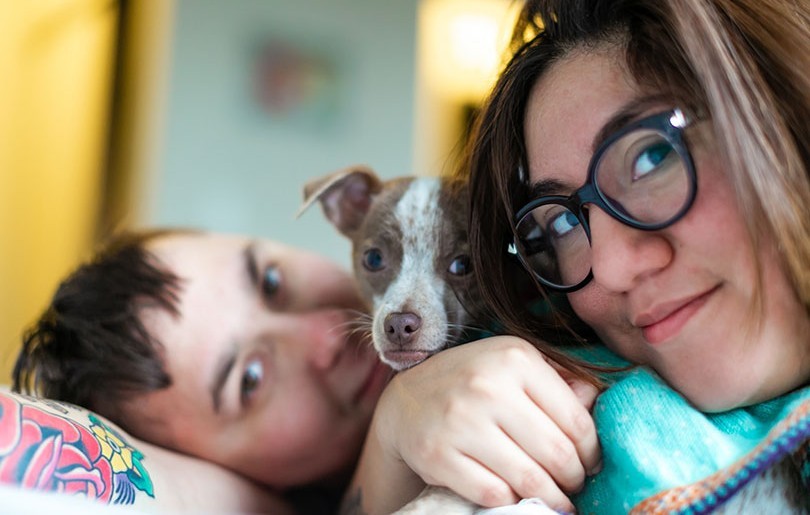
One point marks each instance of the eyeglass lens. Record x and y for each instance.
(641, 177)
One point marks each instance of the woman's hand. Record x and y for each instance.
(494, 421)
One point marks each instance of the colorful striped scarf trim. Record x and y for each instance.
(790, 438)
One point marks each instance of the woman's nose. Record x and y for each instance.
(622, 256)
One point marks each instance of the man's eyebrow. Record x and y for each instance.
(228, 360)
(222, 371)
(251, 269)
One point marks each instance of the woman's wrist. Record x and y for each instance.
(382, 481)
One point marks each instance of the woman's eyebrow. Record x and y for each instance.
(626, 114)
(616, 122)
(546, 187)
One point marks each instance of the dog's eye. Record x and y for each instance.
(460, 265)
(373, 260)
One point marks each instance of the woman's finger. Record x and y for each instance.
(541, 439)
(554, 396)
(477, 483)
(525, 477)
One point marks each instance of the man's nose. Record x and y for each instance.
(622, 256)
(318, 338)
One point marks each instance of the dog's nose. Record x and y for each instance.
(401, 328)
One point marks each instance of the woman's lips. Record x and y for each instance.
(665, 322)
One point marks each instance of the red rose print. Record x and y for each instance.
(45, 451)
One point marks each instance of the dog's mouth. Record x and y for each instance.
(404, 359)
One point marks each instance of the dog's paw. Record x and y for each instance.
(524, 507)
(435, 500)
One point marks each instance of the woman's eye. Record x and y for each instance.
(271, 281)
(562, 224)
(652, 158)
(251, 380)
(460, 265)
(535, 241)
(373, 260)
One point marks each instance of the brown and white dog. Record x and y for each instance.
(411, 262)
(410, 258)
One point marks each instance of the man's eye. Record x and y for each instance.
(251, 380)
(373, 260)
(271, 281)
(460, 265)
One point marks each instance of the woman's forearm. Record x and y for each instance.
(382, 482)
(491, 420)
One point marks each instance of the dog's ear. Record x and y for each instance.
(345, 196)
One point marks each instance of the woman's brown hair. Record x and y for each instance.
(744, 64)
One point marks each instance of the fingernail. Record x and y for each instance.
(596, 469)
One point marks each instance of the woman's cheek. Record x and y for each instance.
(605, 317)
(592, 307)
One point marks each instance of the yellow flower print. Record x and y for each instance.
(117, 452)
(125, 463)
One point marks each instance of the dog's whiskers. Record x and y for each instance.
(357, 313)
(460, 333)
(359, 325)
(465, 327)
(368, 339)
(362, 320)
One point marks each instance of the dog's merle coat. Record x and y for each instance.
(410, 259)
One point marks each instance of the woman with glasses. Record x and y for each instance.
(647, 162)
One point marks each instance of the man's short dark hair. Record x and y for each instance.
(90, 347)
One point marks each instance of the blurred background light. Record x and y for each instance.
(464, 44)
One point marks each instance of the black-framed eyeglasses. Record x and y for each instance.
(642, 175)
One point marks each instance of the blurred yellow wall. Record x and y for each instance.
(56, 61)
